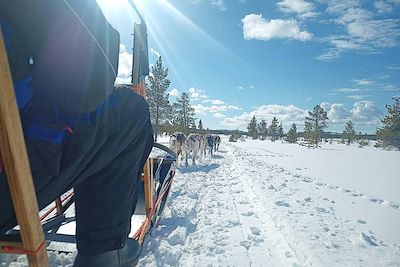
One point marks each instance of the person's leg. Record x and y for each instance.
(104, 202)
(92, 147)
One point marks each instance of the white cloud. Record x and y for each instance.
(219, 115)
(202, 109)
(338, 113)
(363, 112)
(325, 105)
(393, 68)
(383, 7)
(124, 66)
(256, 27)
(361, 31)
(214, 109)
(174, 92)
(384, 76)
(196, 94)
(357, 97)
(240, 88)
(303, 8)
(390, 87)
(364, 82)
(348, 90)
(214, 102)
(220, 4)
(155, 52)
(286, 114)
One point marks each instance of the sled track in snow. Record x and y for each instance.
(240, 175)
(239, 209)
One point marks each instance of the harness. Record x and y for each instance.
(210, 141)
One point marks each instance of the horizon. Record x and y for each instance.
(245, 58)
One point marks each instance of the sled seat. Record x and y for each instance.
(16, 165)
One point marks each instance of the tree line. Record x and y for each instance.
(317, 120)
(165, 116)
(180, 116)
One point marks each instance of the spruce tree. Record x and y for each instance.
(291, 136)
(157, 98)
(389, 134)
(280, 130)
(184, 113)
(193, 126)
(317, 122)
(262, 129)
(349, 133)
(252, 128)
(273, 129)
(200, 127)
(308, 132)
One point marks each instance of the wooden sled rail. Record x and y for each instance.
(19, 177)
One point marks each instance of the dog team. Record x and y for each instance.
(193, 145)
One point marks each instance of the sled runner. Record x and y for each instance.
(50, 228)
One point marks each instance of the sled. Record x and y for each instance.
(50, 229)
(58, 220)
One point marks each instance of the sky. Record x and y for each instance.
(243, 58)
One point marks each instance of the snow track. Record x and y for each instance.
(219, 221)
(239, 209)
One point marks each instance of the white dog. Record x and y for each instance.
(217, 141)
(193, 146)
(176, 142)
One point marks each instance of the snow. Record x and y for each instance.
(262, 203)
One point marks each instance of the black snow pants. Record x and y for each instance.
(102, 159)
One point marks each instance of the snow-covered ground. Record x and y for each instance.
(258, 203)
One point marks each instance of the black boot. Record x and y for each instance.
(124, 257)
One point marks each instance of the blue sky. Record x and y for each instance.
(241, 58)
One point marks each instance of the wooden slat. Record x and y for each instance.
(59, 206)
(148, 196)
(16, 164)
(148, 190)
(16, 245)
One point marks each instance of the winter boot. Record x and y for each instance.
(126, 256)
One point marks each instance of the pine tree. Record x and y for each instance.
(252, 128)
(308, 132)
(280, 130)
(317, 122)
(193, 126)
(389, 134)
(291, 136)
(262, 129)
(184, 113)
(349, 133)
(157, 97)
(200, 127)
(273, 129)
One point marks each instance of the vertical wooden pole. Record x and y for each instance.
(148, 189)
(16, 165)
(59, 206)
